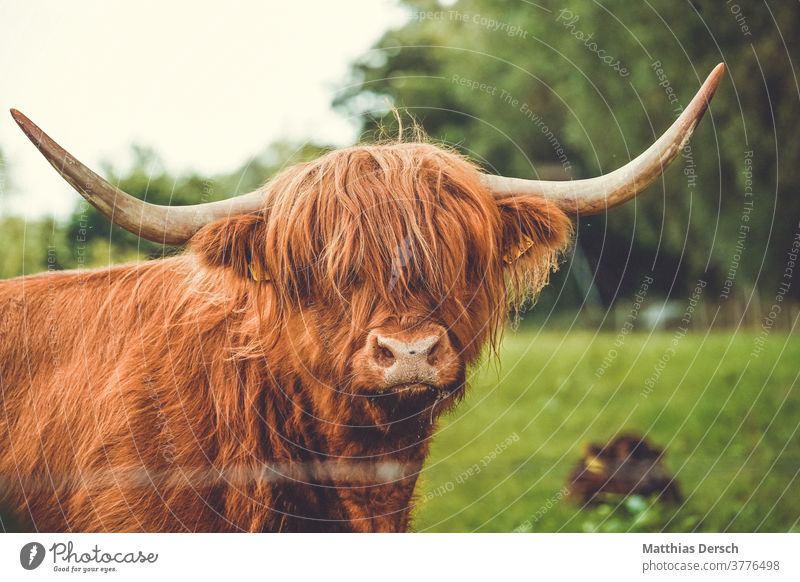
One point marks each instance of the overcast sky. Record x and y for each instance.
(207, 84)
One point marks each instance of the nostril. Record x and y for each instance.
(433, 353)
(384, 356)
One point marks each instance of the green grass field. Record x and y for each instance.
(728, 420)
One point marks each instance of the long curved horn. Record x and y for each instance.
(171, 225)
(596, 195)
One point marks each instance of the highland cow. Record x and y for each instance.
(286, 371)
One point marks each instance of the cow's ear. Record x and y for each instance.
(236, 243)
(532, 227)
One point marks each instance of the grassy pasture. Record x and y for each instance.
(728, 420)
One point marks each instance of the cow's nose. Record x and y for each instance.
(412, 358)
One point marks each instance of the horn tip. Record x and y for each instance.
(715, 76)
(707, 91)
(21, 119)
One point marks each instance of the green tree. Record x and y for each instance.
(30, 246)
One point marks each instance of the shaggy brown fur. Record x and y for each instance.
(182, 395)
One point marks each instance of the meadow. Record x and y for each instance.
(727, 417)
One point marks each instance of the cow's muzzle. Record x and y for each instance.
(406, 359)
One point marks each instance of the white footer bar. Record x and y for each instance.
(405, 557)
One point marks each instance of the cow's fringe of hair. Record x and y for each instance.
(332, 233)
(527, 275)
